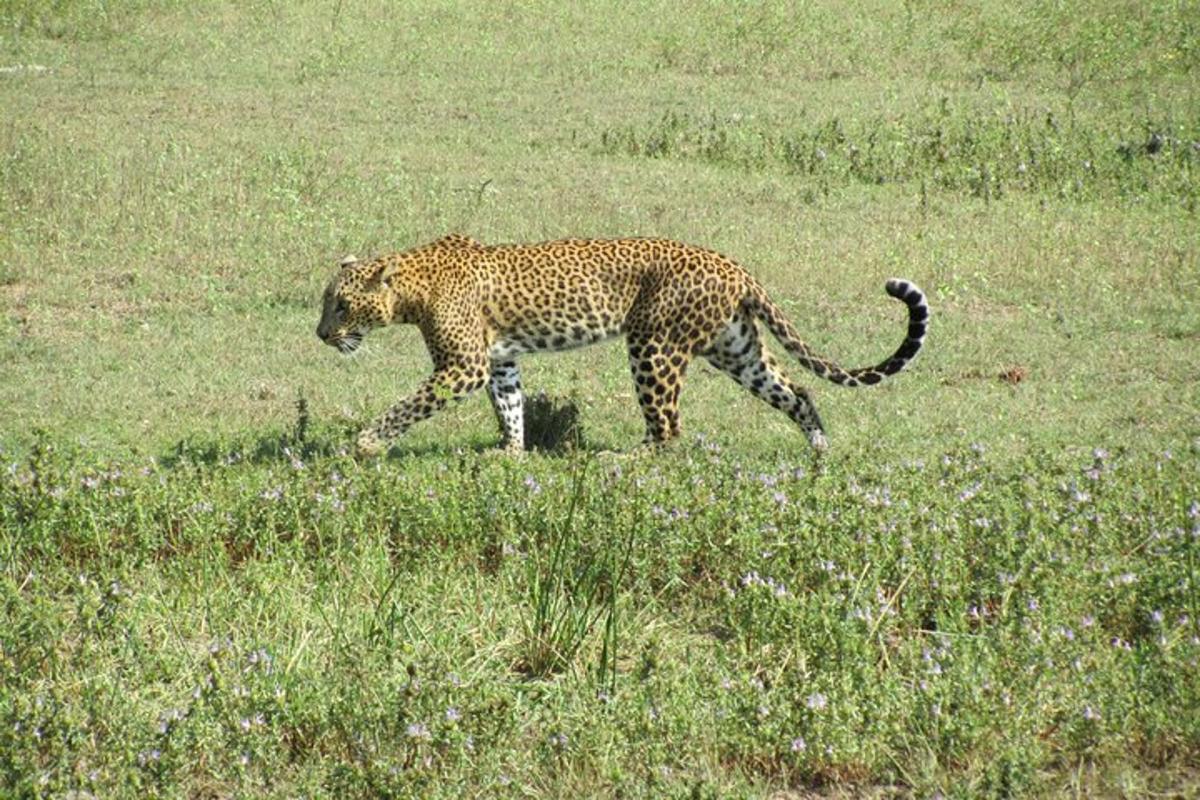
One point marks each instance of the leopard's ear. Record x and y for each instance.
(348, 261)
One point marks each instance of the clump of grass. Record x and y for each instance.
(981, 153)
(572, 587)
(69, 20)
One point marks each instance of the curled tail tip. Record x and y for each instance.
(904, 290)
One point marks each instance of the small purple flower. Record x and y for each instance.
(799, 745)
(453, 714)
(816, 701)
(260, 656)
(296, 463)
(532, 485)
(169, 718)
(1091, 714)
(416, 730)
(558, 740)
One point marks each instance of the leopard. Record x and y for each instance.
(479, 307)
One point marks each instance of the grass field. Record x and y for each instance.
(989, 587)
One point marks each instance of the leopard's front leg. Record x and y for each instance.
(504, 386)
(446, 384)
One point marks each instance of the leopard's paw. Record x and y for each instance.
(369, 445)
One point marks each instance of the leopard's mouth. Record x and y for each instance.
(349, 343)
(346, 343)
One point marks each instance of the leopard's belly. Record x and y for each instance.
(551, 336)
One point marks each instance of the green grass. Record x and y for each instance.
(278, 624)
(202, 596)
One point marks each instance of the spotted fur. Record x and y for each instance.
(480, 307)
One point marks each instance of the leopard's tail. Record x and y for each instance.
(918, 323)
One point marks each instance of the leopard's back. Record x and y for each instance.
(562, 294)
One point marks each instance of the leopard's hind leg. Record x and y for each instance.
(658, 368)
(739, 352)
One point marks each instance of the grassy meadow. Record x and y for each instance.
(988, 587)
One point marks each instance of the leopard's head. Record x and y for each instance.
(357, 300)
